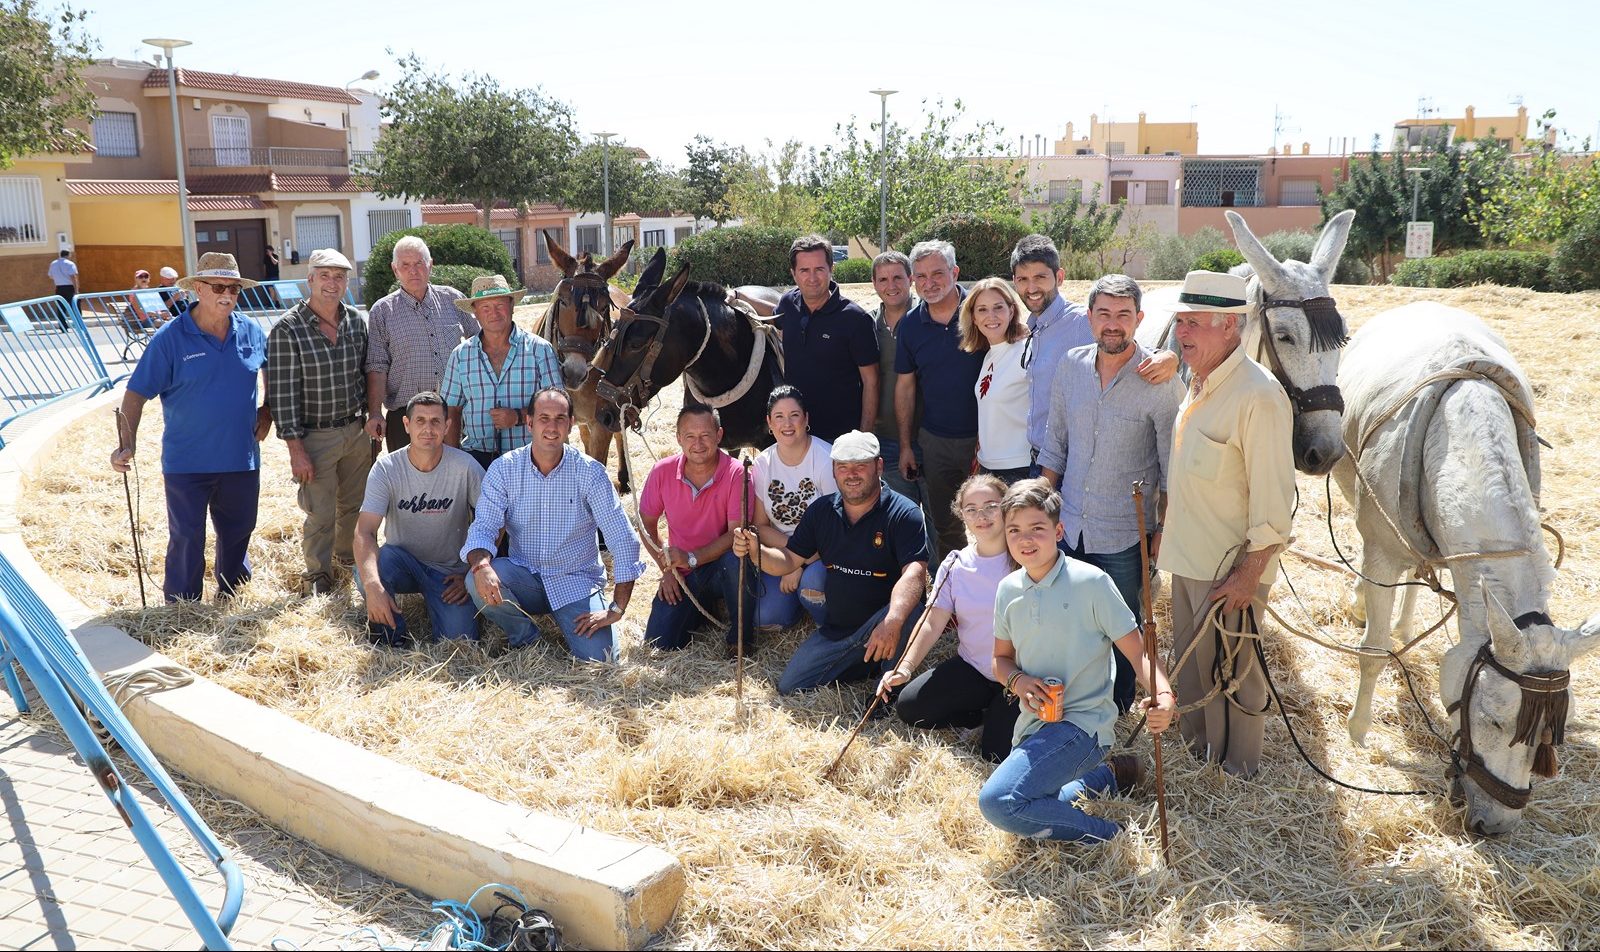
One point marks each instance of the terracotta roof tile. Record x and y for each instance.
(250, 86)
(232, 184)
(122, 187)
(315, 183)
(225, 203)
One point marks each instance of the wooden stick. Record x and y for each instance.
(1147, 629)
(744, 523)
(133, 525)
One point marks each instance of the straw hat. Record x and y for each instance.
(1211, 291)
(485, 288)
(216, 265)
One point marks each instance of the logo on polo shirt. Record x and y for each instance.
(193, 356)
(877, 540)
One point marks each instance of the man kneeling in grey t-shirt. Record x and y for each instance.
(423, 496)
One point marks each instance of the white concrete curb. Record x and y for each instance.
(437, 837)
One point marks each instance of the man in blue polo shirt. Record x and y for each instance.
(872, 541)
(203, 365)
(928, 359)
(830, 346)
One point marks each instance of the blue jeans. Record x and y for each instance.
(774, 606)
(404, 574)
(820, 660)
(889, 450)
(1127, 573)
(521, 588)
(1033, 791)
(668, 627)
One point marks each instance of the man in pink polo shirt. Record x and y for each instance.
(698, 491)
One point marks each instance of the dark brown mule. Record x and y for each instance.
(578, 323)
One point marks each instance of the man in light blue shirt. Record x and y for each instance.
(1109, 426)
(550, 499)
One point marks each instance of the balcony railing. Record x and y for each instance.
(273, 156)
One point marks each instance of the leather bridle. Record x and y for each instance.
(591, 300)
(1541, 718)
(1327, 333)
(635, 392)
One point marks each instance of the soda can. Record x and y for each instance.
(1050, 710)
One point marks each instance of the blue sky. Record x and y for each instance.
(746, 72)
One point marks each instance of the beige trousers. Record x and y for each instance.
(332, 499)
(1220, 731)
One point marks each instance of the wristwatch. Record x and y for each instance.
(693, 562)
(612, 606)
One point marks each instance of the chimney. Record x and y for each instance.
(1305, 148)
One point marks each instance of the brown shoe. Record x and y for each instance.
(1127, 770)
(318, 584)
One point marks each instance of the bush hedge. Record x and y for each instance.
(853, 271)
(449, 245)
(1174, 256)
(459, 276)
(1512, 269)
(1220, 260)
(1576, 264)
(738, 255)
(983, 242)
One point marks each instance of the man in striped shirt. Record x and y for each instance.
(491, 377)
(318, 394)
(550, 499)
(413, 330)
(1108, 426)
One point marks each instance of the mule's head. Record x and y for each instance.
(1509, 719)
(1297, 319)
(650, 348)
(580, 308)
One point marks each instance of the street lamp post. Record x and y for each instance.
(1416, 188)
(189, 256)
(883, 167)
(350, 133)
(605, 175)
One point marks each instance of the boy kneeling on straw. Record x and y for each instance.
(1058, 618)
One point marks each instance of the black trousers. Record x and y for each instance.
(70, 293)
(395, 436)
(955, 694)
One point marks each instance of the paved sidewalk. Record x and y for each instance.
(72, 876)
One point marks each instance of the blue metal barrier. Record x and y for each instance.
(46, 355)
(32, 637)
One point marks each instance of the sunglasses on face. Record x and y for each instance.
(232, 289)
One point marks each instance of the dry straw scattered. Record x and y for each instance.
(893, 853)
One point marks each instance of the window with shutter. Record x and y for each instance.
(316, 231)
(116, 135)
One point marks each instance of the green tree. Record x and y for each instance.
(774, 190)
(1541, 200)
(708, 176)
(471, 141)
(637, 184)
(935, 172)
(1080, 229)
(47, 102)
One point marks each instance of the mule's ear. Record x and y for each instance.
(609, 267)
(1325, 258)
(559, 255)
(676, 287)
(1508, 642)
(1587, 637)
(653, 272)
(1259, 257)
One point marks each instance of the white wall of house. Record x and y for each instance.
(361, 220)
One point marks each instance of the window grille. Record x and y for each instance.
(21, 210)
(116, 135)
(316, 231)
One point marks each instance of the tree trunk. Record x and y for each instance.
(488, 214)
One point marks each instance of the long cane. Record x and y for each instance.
(921, 620)
(744, 523)
(133, 524)
(1147, 628)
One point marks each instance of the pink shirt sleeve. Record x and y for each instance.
(651, 505)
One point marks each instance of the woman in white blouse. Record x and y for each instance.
(991, 325)
(788, 476)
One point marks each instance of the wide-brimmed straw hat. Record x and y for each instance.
(1213, 291)
(485, 288)
(216, 266)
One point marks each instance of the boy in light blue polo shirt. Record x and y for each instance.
(1060, 618)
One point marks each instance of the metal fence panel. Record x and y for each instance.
(46, 355)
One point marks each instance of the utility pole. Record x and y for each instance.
(883, 167)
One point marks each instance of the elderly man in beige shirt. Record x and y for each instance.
(1230, 498)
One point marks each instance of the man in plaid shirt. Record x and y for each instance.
(490, 377)
(413, 330)
(318, 394)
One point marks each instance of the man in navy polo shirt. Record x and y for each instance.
(928, 359)
(872, 541)
(830, 346)
(203, 365)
